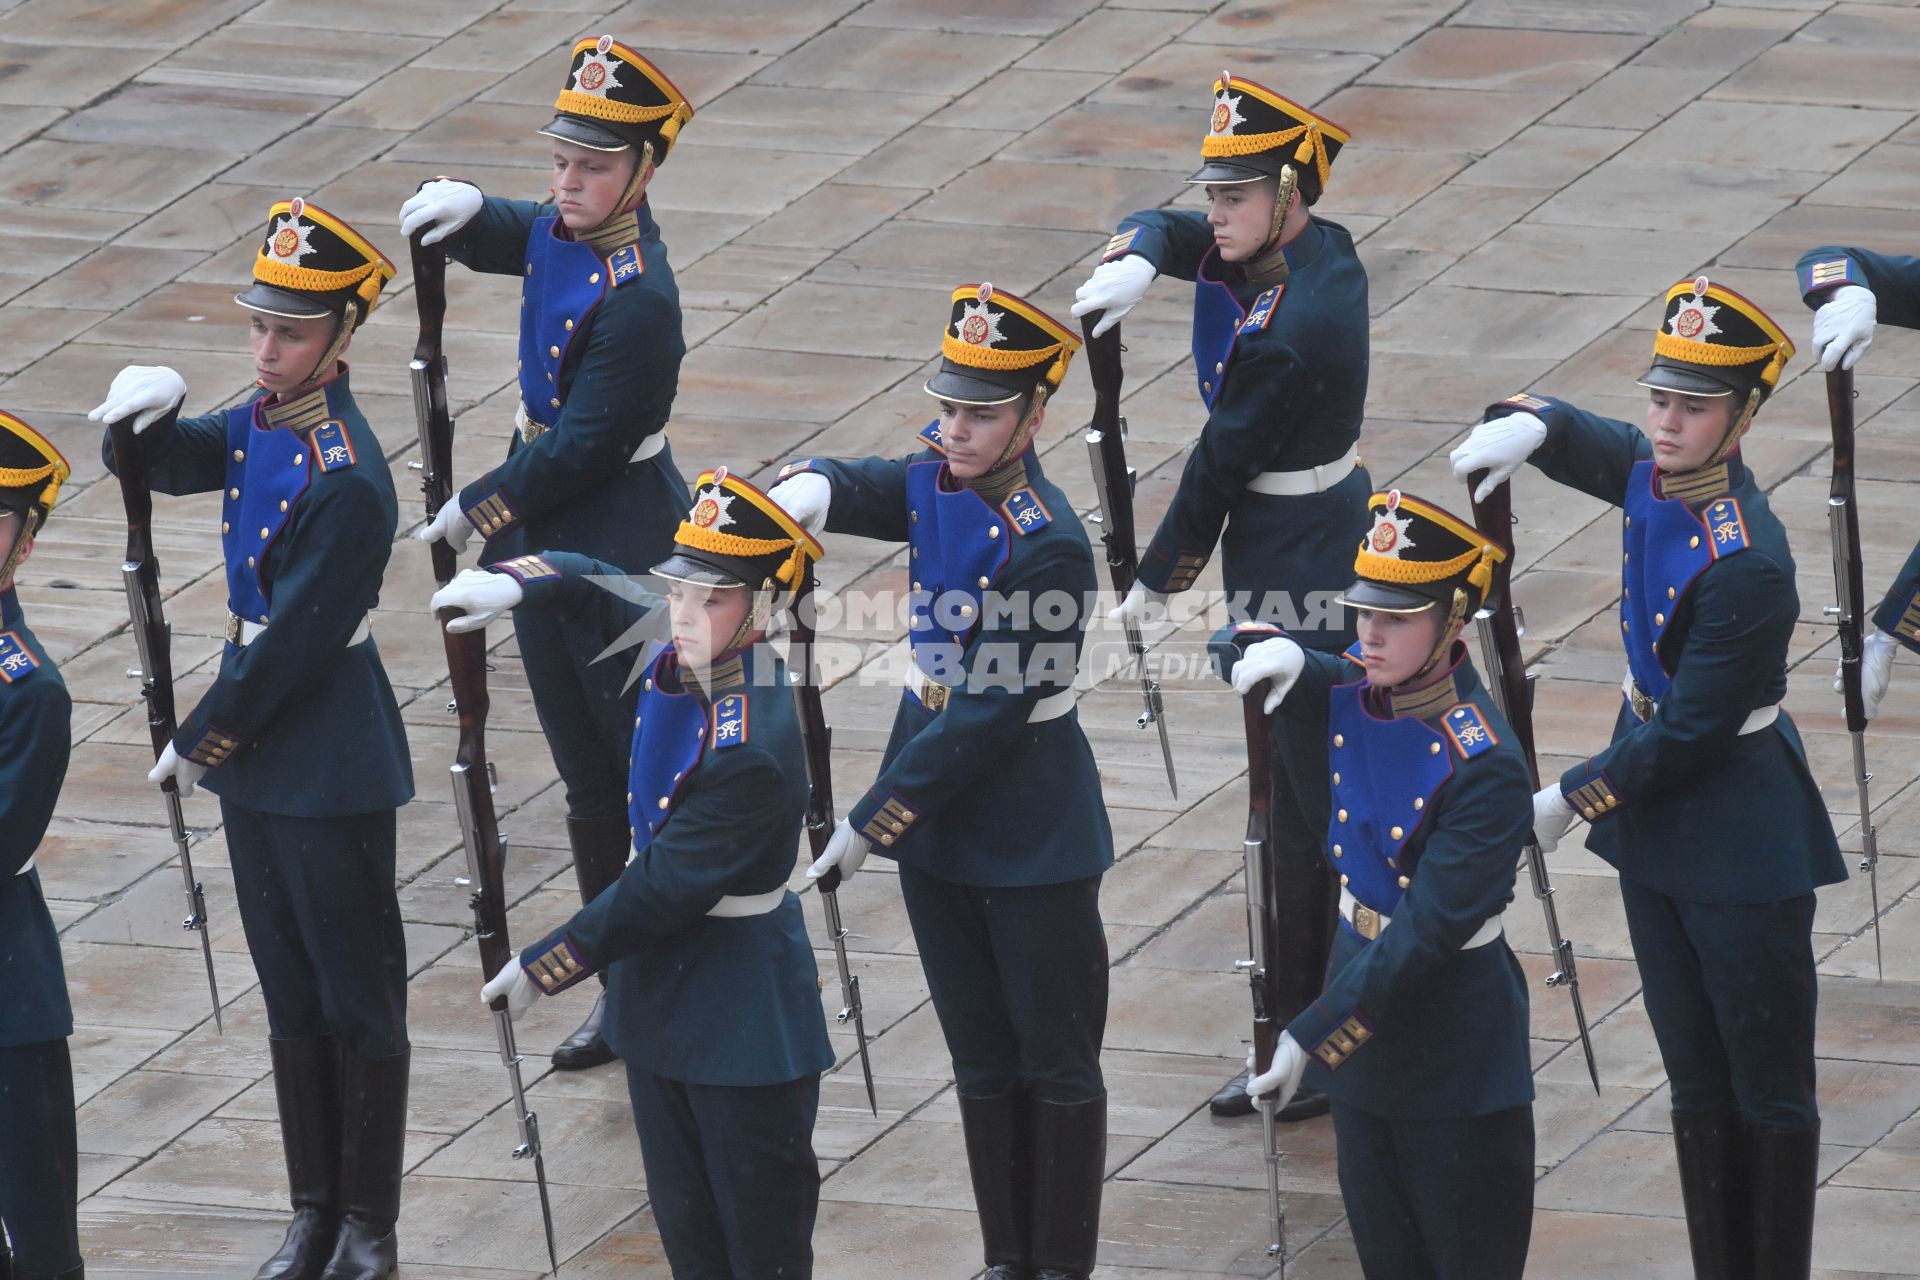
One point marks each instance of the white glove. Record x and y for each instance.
(1289, 1064)
(805, 497)
(451, 524)
(1279, 660)
(1876, 670)
(1114, 287)
(443, 206)
(149, 391)
(1140, 602)
(513, 983)
(1843, 327)
(1499, 446)
(185, 773)
(846, 850)
(483, 596)
(1552, 815)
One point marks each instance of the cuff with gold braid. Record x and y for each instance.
(1169, 569)
(1899, 617)
(1820, 276)
(555, 964)
(211, 747)
(1328, 1035)
(488, 506)
(1590, 791)
(883, 819)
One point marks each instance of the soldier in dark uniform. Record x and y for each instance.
(1703, 801)
(1848, 289)
(1421, 1035)
(988, 797)
(299, 734)
(40, 1169)
(588, 469)
(1280, 353)
(713, 999)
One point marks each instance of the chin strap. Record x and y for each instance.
(1023, 434)
(1269, 266)
(33, 522)
(1736, 429)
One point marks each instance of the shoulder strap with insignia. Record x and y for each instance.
(332, 448)
(730, 720)
(1260, 314)
(1471, 735)
(624, 264)
(930, 436)
(16, 660)
(1727, 527)
(1026, 511)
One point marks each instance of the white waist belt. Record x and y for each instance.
(1294, 484)
(735, 905)
(1357, 915)
(244, 633)
(933, 696)
(531, 430)
(1643, 708)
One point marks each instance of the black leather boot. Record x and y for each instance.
(78, 1273)
(306, 1086)
(600, 847)
(996, 1132)
(373, 1112)
(1784, 1166)
(1068, 1171)
(1712, 1192)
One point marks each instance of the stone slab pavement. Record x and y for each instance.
(1525, 175)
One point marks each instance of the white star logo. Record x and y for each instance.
(1389, 537)
(291, 239)
(978, 326)
(596, 75)
(1694, 320)
(710, 509)
(1226, 113)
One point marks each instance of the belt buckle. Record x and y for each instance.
(1366, 921)
(1643, 706)
(233, 627)
(529, 429)
(933, 695)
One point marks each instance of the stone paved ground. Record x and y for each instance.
(1524, 176)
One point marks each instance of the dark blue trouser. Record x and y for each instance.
(731, 1174)
(39, 1164)
(1438, 1199)
(1731, 992)
(1019, 980)
(323, 923)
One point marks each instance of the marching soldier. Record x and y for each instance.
(588, 469)
(1421, 1035)
(300, 735)
(39, 1174)
(1703, 801)
(713, 999)
(1847, 288)
(1280, 353)
(988, 797)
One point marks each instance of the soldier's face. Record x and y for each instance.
(703, 619)
(1685, 430)
(1394, 646)
(588, 184)
(286, 352)
(976, 435)
(1241, 216)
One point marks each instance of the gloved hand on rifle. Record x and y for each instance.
(513, 983)
(1497, 447)
(481, 593)
(1279, 660)
(1289, 1064)
(451, 523)
(846, 849)
(1141, 605)
(148, 391)
(1843, 327)
(185, 773)
(1114, 288)
(1876, 670)
(1552, 815)
(442, 207)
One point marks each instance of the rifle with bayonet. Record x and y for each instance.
(1843, 521)
(1499, 626)
(472, 775)
(1261, 938)
(1113, 484)
(140, 573)
(817, 734)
